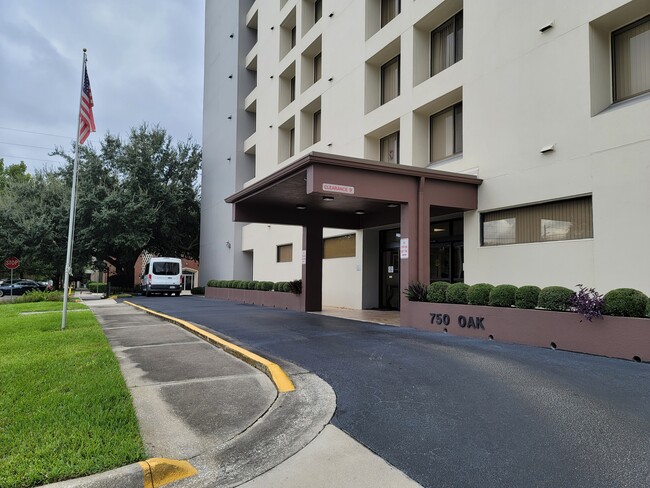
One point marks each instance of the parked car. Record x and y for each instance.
(20, 287)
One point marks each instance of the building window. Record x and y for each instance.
(340, 247)
(293, 37)
(285, 253)
(446, 251)
(555, 221)
(446, 133)
(292, 89)
(317, 67)
(389, 10)
(316, 127)
(389, 148)
(631, 59)
(390, 80)
(318, 10)
(292, 141)
(447, 44)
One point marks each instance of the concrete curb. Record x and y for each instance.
(277, 375)
(160, 471)
(151, 473)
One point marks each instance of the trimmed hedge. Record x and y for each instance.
(437, 291)
(503, 296)
(527, 296)
(625, 302)
(457, 293)
(555, 298)
(647, 309)
(198, 290)
(96, 287)
(280, 286)
(479, 294)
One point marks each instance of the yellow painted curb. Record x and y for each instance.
(160, 471)
(281, 380)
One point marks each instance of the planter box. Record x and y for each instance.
(275, 299)
(618, 337)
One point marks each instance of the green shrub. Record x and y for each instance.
(40, 296)
(213, 283)
(198, 290)
(96, 287)
(647, 309)
(286, 287)
(457, 293)
(555, 298)
(266, 285)
(527, 296)
(252, 285)
(625, 302)
(279, 286)
(503, 296)
(416, 292)
(479, 294)
(437, 291)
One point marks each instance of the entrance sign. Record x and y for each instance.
(333, 188)
(12, 263)
(404, 248)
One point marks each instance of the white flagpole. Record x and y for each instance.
(73, 204)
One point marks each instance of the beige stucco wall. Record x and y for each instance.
(521, 90)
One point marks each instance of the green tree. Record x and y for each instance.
(34, 221)
(136, 195)
(12, 173)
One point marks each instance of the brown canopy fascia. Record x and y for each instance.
(350, 193)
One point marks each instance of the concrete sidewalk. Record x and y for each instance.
(196, 402)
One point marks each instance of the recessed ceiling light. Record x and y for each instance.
(328, 199)
(301, 207)
(393, 205)
(360, 212)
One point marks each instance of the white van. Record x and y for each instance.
(162, 275)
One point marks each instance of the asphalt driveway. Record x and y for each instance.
(458, 412)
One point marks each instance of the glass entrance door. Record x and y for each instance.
(389, 263)
(188, 281)
(389, 293)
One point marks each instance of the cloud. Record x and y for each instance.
(145, 62)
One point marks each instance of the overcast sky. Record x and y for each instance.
(145, 63)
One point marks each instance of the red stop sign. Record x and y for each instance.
(12, 263)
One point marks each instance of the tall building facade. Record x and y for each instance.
(544, 104)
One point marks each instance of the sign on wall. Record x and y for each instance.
(404, 248)
(333, 188)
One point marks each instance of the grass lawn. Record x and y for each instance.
(65, 410)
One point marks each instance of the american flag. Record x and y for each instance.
(87, 121)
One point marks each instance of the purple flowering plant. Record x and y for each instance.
(587, 302)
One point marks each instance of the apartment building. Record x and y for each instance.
(365, 144)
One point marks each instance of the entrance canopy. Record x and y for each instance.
(325, 190)
(348, 193)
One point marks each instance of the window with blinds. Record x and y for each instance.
(389, 10)
(554, 221)
(447, 44)
(390, 80)
(340, 247)
(446, 133)
(631, 59)
(285, 253)
(389, 148)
